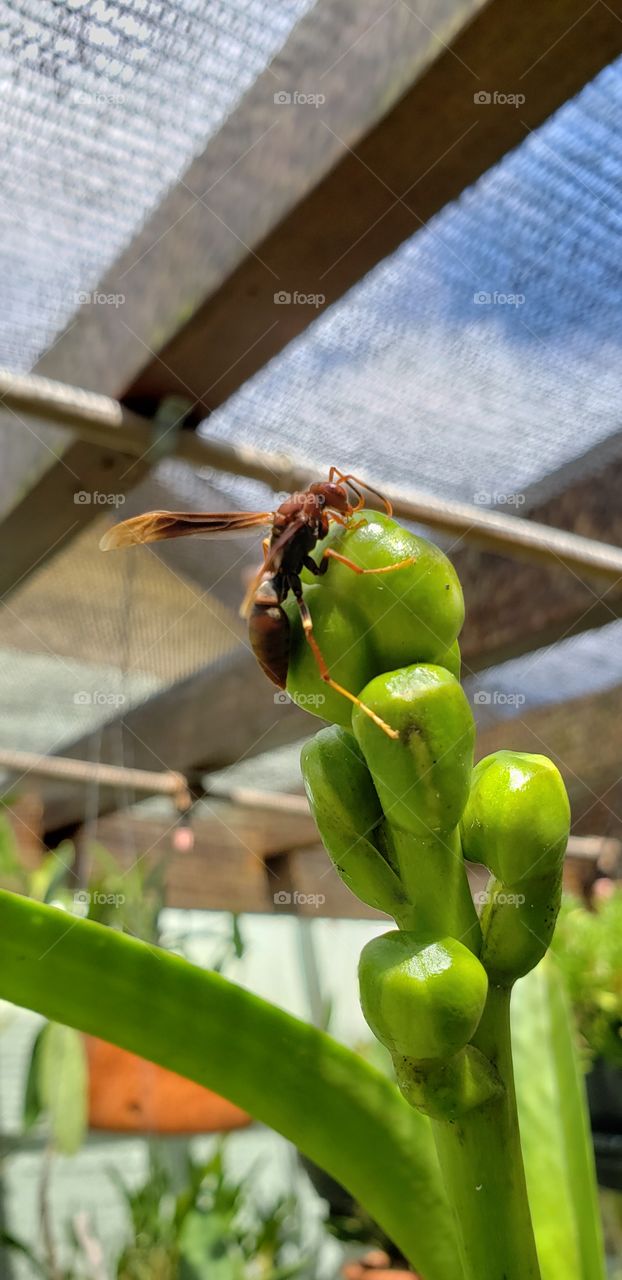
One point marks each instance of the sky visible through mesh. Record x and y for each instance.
(104, 106)
(422, 374)
(425, 374)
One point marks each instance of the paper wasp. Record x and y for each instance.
(297, 526)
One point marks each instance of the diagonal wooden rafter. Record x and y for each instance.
(438, 139)
(567, 732)
(305, 200)
(258, 166)
(513, 609)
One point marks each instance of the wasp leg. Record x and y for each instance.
(307, 625)
(346, 521)
(329, 555)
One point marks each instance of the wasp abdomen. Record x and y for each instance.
(268, 631)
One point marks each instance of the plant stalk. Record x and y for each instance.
(480, 1155)
(432, 872)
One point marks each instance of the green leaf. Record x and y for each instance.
(588, 949)
(207, 1251)
(555, 1132)
(32, 1096)
(63, 1085)
(53, 873)
(7, 1241)
(339, 1110)
(10, 862)
(238, 941)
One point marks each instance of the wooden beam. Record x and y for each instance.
(226, 869)
(513, 607)
(242, 863)
(583, 737)
(253, 861)
(437, 140)
(589, 857)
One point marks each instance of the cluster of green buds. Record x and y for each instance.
(400, 815)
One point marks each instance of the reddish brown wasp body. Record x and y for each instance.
(297, 526)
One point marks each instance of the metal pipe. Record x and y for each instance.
(105, 421)
(104, 775)
(251, 798)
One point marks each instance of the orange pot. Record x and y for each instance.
(376, 1265)
(131, 1095)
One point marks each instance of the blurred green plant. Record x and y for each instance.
(555, 1129)
(213, 1228)
(588, 948)
(204, 1225)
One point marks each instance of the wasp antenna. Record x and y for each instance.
(353, 481)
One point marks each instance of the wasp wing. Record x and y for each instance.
(272, 562)
(155, 526)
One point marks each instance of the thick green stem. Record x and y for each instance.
(482, 1164)
(433, 874)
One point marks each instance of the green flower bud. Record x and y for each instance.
(516, 823)
(517, 923)
(414, 614)
(340, 633)
(422, 1000)
(517, 818)
(348, 815)
(369, 623)
(423, 777)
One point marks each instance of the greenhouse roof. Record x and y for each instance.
(456, 334)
